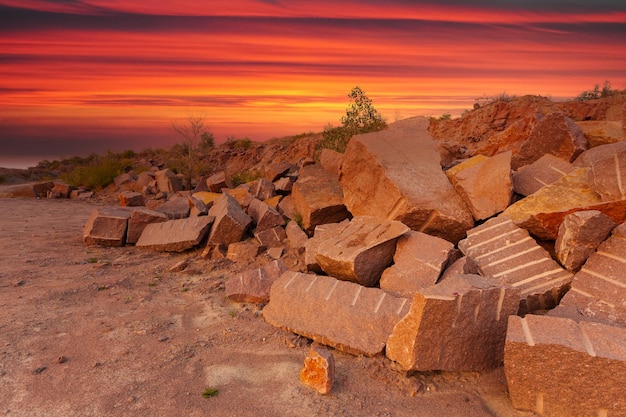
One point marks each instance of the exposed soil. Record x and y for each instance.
(92, 331)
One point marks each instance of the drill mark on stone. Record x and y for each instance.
(500, 302)
(290, 281)
(331, 290)
(356, 296)
(527, 335)
(380, 302)
(311, 284)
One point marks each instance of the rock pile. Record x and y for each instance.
(513, 255)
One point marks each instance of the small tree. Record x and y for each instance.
(195, 138)
(361, 117)
(596, 93)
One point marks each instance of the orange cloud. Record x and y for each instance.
(105, 70)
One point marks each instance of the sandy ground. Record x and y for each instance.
(92, 331)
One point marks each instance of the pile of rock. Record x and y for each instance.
(513, 258)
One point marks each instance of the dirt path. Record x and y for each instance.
(90, 331)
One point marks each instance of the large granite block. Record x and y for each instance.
(341, 314)
(556, 367)
(457, 325)
(361, 251)
(395, 174)
(175, 235)
(507, 254)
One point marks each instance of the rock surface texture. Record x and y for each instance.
(458, 325)
(395, 174)
(361, 251)
(556, 367)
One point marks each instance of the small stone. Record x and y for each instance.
(180, 266)
(318, 371)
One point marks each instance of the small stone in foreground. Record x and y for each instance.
(318, 371)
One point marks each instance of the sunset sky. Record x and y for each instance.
(83, 76)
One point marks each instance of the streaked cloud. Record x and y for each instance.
(264, 68)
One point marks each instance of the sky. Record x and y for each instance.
(85, 76)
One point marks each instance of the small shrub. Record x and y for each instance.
(243, 177)
(485, 99)
(209, 392)
(297, 217)
(2, 179)
(597, 93)
(445, 116)
(242, 143)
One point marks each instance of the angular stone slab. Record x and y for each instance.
(177, 207)
(555, 134)
(167, 181)
(231, 222)
(556, 367)
(262, 189)
(457, 325)
(254, 286)
(507, 254)
(318, 197)
(263, 216)
(417, 263)
(139, 219)
(484, 183)
(279, 170)
(122, 179)
(295, 236)
(218, 181)
(271, 238)
(131, 199)
(344, 315)
(591, 156)
(602, 132)
(599, 288)
(283, 186)
(362, 251)
(322, 233)
(243, 251)
(395, 174)
(331, 161)
(175, 235)
(106, 227)
(546, 170)
(241, 194)
(580, 234)
(608, 176)
(542, 212)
